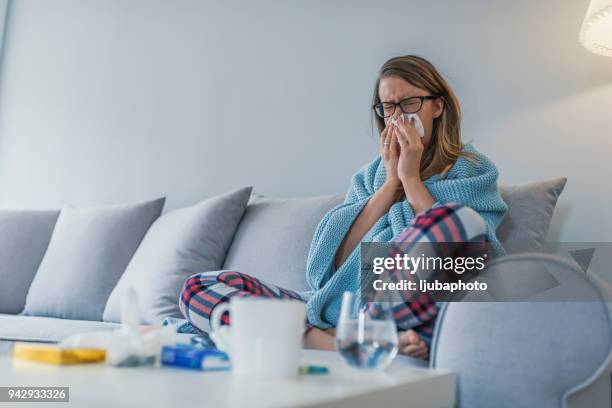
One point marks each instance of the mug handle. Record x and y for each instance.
(220, 334)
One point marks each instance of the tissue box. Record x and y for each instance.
(183, 355)
(53, 354)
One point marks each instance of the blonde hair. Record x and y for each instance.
(445, 146)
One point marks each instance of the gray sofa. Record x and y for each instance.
(271, 242)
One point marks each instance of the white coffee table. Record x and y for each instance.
(402, 385)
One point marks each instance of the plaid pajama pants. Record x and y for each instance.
(443, 223)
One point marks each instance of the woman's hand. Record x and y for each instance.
(379, 203)
(410, 344)
(411, 151)
(389, 151)
(409, 166)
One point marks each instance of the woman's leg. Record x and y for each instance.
(204, 291)
(445, 223)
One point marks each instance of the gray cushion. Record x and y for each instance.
(530, 208)
(51, 329)
(89, 250)
(24, 237)
(179, 244)
(274, 237)
(46, 329)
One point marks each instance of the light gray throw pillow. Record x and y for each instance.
(179, 244)
(89, 250)
(24, 237)
(530, 208)
(274, 237)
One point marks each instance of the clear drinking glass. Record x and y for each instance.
(366, 335)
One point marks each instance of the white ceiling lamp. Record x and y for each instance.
(596, 30)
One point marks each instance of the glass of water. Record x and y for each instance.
(366, 335)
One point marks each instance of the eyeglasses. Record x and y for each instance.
(408, 105)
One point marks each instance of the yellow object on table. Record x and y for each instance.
(54, 354)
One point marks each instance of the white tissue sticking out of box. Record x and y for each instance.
(130, 345)
(417, 122)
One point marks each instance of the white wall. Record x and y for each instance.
(113, 100)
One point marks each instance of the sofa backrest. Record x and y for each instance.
(274, 236)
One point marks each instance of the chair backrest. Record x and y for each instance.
(525, 354)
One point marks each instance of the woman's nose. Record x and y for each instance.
(397, 112)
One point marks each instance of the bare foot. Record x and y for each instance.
(316, 338)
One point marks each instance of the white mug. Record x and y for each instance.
(264, 338)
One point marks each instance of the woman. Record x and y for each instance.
(429, 188)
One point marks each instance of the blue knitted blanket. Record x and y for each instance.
(471, 183)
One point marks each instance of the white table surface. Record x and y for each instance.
(97, 385)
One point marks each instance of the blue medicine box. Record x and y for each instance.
(197, 358)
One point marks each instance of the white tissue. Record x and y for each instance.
(417, 122)
(129, 345)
